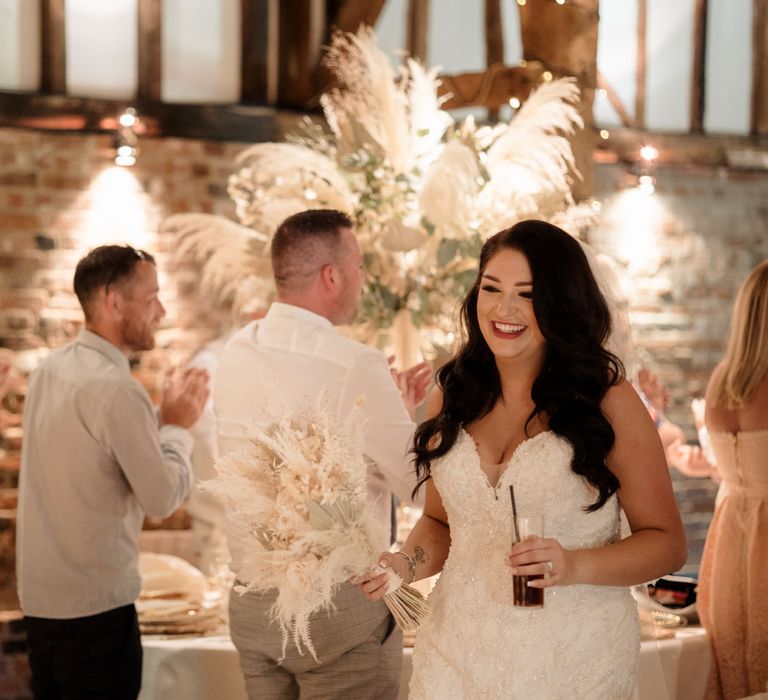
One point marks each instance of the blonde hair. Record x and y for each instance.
(746, 359)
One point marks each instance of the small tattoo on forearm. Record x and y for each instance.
(419, 555)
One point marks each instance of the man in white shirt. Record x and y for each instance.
(206, 509)
(295, 350)
(95, 459)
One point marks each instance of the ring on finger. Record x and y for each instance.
(550, 568)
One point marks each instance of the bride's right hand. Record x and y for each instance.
(374, 586)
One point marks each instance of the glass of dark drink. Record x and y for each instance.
(523, 595)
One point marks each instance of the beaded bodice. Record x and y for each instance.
(475, 644)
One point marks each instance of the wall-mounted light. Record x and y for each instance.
(645, 169)
(646, 184)
(649, 153)
(126, 141)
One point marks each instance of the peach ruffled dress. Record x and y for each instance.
(733, 582)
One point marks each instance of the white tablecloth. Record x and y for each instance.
(206, 668)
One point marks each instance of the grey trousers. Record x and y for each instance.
(358, 646)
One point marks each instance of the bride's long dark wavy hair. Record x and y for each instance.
(577, 371)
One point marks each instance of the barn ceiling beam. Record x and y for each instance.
(492, 88)
(205, 121)
(699, 68)
(494, 42)
(53, 48)
(350, 14)
(640, 62)
(745, 153)
(417, 26)
(150, 53)
(564, 38)
(258, 22)
(759, 116)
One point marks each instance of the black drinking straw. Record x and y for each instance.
(514, 512)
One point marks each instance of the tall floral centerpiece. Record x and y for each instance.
(424, 191)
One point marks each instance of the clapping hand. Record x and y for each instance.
(413, 384)
(184, 397)
(689, 459)
(656, 393)
(5, 378)
(698, 406)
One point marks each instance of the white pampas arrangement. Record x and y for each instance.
(300, 491)
(424, 192)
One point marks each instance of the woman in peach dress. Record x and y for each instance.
(733, 585)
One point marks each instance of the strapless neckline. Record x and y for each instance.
(508, 463)
(475, 643)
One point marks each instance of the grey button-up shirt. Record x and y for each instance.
(93, 462)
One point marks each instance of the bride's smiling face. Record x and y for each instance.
(505, 308)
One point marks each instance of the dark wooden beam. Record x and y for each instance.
(53, 53)
(564, 38)
(687, 150)
(350, 14)
(150, 40)
(641, 49)
(301, 33)
(759, 120)
(699, 70)
(345, 16)
(255, 51)
(494, 42)
(492, 88)
(416, 29)
(209, 121)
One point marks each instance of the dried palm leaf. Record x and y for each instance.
(232, 256)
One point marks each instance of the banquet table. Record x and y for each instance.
(206, 668)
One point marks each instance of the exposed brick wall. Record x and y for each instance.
(683, 251)
(62, 194)
(694, 241)
(59, 196)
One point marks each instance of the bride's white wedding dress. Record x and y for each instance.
(475, 644)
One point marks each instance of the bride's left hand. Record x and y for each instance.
(540, 555)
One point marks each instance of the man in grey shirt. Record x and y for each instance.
(95, 459)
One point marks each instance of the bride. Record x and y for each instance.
(533, 400)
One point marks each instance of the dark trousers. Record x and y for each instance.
(86, 658)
